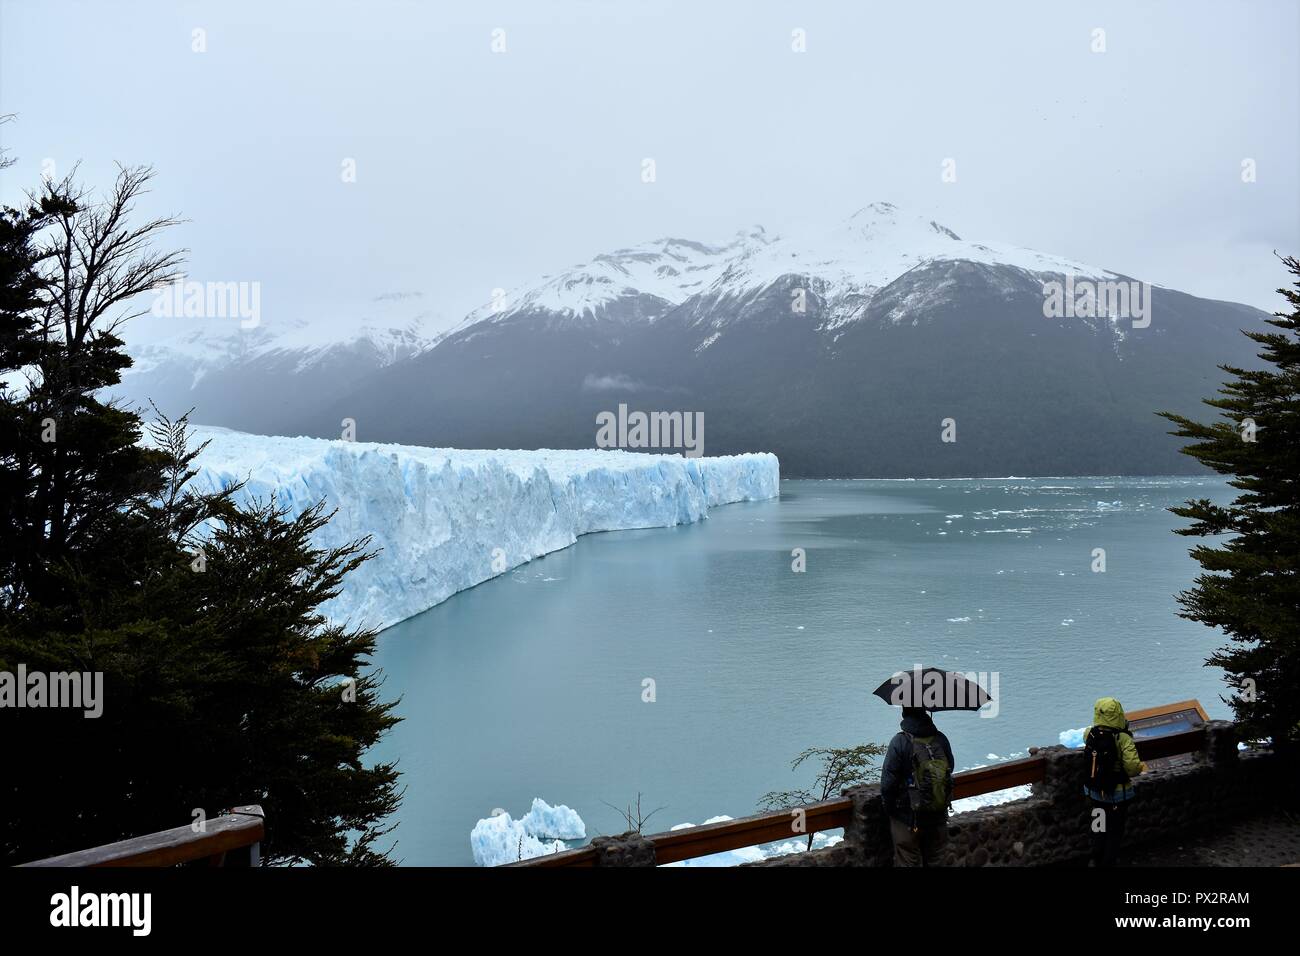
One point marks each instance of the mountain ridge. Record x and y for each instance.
(842, 350)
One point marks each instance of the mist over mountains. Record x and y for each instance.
(270, 377)
(842, 350)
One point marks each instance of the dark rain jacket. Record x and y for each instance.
(897, 768)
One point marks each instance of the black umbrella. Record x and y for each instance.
(933, 689)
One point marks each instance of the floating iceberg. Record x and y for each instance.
(557, 823)
(1072, 738)
(447, 520)
(500, 839)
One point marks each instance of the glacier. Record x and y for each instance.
(446, 519)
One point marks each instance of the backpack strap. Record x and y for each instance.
(909, 758)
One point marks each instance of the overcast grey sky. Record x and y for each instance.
(477, 169)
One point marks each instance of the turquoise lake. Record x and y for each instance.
(531, 685)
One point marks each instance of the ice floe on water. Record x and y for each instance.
(499, 838)
(997, 797)
(1072, 738)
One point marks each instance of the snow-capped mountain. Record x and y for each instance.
(841, 349)
(848, 264)
(844, 265)
(265, 377)
(639, 283)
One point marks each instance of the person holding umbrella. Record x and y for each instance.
(916, 787)
(916, 778)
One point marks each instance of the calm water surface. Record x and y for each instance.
(531, 684)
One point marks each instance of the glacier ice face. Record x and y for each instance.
(447, 520)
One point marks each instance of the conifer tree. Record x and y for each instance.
(1250, 585)
(222, 682)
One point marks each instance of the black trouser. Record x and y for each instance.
(1107, 830)
(923, 846)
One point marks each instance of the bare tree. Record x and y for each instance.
(840, 768)
(92, 266)
(6, 161)
(95, 263)
(632, 815)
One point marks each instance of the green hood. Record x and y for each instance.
(1108, 712)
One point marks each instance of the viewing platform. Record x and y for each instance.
(1205, 801)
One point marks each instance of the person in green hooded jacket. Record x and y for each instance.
(1112, 763)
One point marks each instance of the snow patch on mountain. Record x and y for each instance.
(667, 271)
(843, 266)
(848, 264)
(447, 519)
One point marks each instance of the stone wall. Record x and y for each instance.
(1051, 827)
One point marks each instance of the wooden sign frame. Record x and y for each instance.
(1167, 710)
(1178, 715)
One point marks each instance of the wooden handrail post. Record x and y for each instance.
(232, 839)
(250, 855)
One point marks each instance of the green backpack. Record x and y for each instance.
(927, 787)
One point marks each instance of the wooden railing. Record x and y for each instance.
(232, 839)
(693, 842)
